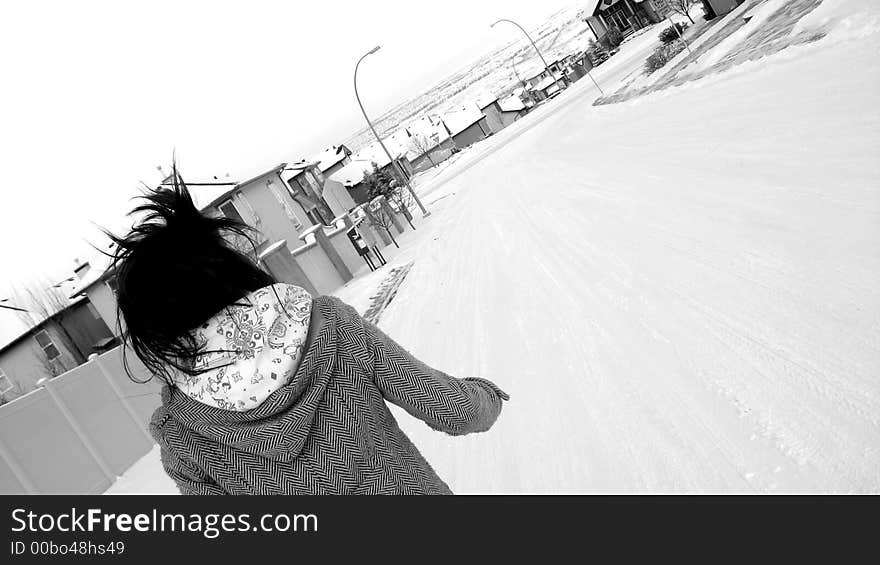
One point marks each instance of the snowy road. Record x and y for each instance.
(679, 292)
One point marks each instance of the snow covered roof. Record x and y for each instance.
(428, 131)
(353, 173)
(203, 196)
(374, 152)
(98, 266)
(12, 340)
(512, 104)
(546, 84)
(214, 194)
(330, 156)
(399, 144)
(484, 100)
(292, 170)
(459, 120)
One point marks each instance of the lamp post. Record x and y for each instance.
(425, 212)
(538, 51)
(516, 72)
(529, 37)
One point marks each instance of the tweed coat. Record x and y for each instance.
(329, 429)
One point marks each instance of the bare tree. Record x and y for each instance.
(422, 145)
(379, 218)
(38, 300)
(682, 7)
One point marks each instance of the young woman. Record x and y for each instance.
(269, 390)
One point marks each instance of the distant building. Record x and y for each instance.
(351, 176)
(547, 88)
(535, 78)
(466, 126)
(332, 159)
(715, 8)
(427, 142)
(306, 184)
(500, 113)
(56, 345)
(627, 16)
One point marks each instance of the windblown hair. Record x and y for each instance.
(174, 270)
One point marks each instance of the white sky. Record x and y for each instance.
(95, 95)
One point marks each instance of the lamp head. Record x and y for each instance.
(374, 49)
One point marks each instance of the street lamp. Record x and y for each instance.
(542, 56)
(425, 213)
(529, 37)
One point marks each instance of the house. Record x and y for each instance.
(715, 8)
(627, 16)
(332, 159)
(97, 282)
(55, 345)
(525, 97)
(427, 141)
(534, 78)
(266, 202)
(351, 176)
(466, 126)
(305, 182)
(558, 68)
(546, 88)
(501, 112)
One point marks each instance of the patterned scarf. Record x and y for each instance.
(250, 349)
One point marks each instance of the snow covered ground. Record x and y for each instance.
(679, 292)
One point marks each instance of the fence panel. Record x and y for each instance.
(42, 444)
(79, 431)
(143, 398)
(119, 440)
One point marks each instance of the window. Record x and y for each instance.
(5, 383)
(45, 342)
(228, 209)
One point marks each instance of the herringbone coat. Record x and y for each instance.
(329, 430)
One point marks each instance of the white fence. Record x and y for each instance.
(79, 431)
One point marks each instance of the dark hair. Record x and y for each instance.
(174, 270)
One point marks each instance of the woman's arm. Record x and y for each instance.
(453, 405)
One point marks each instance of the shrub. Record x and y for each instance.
(612, 38)
(596, 53)
(662, 55)
(669, 34)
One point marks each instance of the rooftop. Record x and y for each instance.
(10, 342)
(459, 120)
(330, 156)
(353, 173)
(511, 104)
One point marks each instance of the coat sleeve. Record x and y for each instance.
(456, 406)
(185, 474)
